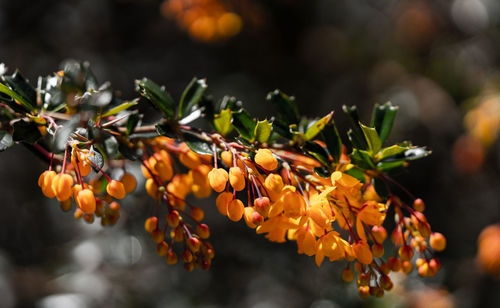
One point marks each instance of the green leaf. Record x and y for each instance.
(357, 173)
(4, 89)
(222, 122)
(22, 87)
(191, 96)
(333, 141)
(197, 144)
(263, 131)
(166, 129)
(356, 134)
(26, 132)
(156, 95)
(391, 167)
(372, 138)
(287, 109)
(244, 124)
(362, 159)
(383, 118)
(5, 140)
(316, 151)
(393, 150)
(317, 126)
(120, 108)
(132, 122)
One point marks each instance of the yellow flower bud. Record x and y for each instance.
(116, 189)
(236, 178)
(61, 185)
(222, 202)
(129, 182)
(235, 210)
(266, 160)
(86, 201)
(218, 178)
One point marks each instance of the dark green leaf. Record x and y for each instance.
(127, 151)
(132, 122)
(322, 172)
(392, 151)
(391, 167)
(22, 87)
(197, 144)
(5, 140)
(244, 124)
(166, 129)
(191, 96)
(333, 141)
(282, 130)
(316, 151)
(263, 131)
(287, 108)
(383, 118)
(356, 136)
(156, 95)
(6, 90)
(380, 188)
(362, 159)
(26, 132)
(357, 173)
(317, 126)
(372, 138)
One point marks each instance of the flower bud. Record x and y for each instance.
(236, 178)
(437, 241)
(235, 210)
(218, 178)
(116, 189)
(86, 201)
(61, 185)
(266, 160)
(223, 201)
(129, 182)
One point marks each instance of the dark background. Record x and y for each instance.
(432, 58)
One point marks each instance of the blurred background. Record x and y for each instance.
(438, 60)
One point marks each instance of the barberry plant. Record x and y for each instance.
(288, 177)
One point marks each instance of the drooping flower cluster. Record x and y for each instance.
(94, 198)
(289, 178)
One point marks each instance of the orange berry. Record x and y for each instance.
(362, 252)
(190, 159)
(377, 250)
(223, 201)
(151, 224)
(187, 256)
(236, 178)
(172, 257)
(419, 205)
(262, 205)
(86, 201)
(48, 178)
(406, 266)
(266, 159)
(194, 244)
(227, 158)
(116, 189)
(158, 236)
(203, 231)
(162, 249)
(394, 263)
(437, 241)
(129, 182)
(197, 213)
(364, 291)
(274, 183)
(152, 189)
(218, 178)
(379, 233)
(173, 219)
(347, 275)
(177, 234)
(235, 210)
(164, 170)
(405, 253)
(61, 185)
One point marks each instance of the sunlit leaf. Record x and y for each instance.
(191, 96)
